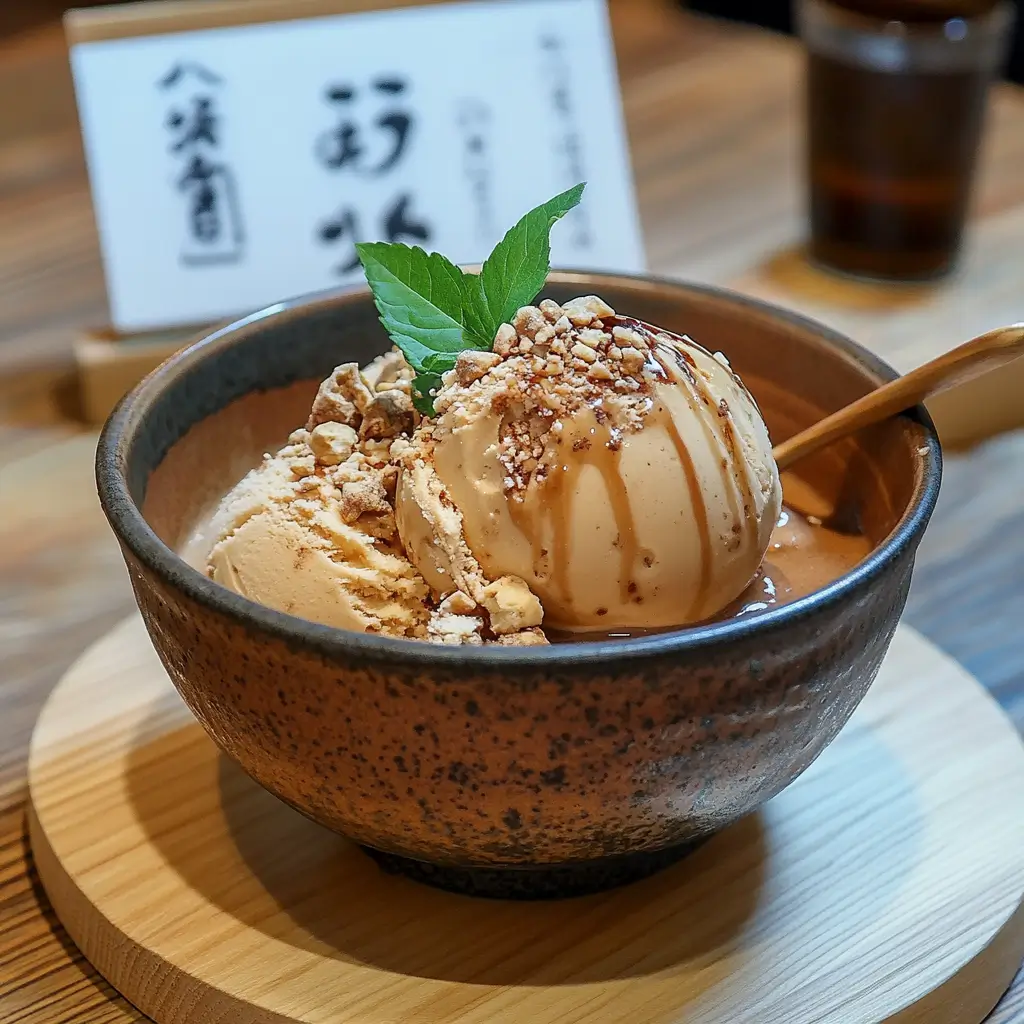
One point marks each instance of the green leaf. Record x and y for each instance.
(433, 310)
(476, 316)
(422, 385)
(516, 270)
(440, 362)
(419, 297)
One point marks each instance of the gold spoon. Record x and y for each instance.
(963, 363)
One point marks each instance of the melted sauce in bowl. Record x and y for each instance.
(806, 553)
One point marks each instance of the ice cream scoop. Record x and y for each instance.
(623, 472)
(311, 530)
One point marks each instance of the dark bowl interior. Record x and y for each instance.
(568, 758)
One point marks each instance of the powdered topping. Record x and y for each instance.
(552, 362)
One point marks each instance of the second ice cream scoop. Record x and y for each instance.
(623, 472)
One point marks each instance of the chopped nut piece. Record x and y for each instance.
(399, 447)
(504, 340)
(595, 338)
(405, 386)
(563, 325)
(457, 603)
(528, 321)
(551, 309)
(626, 336)
(585, 309)
(526, 638)
(473, 364)
(584, 352)
(389, 481)
(599, 371)
(303, 465)
(386, 369)
(376, 450)
(300, 436)
(632, 360)
(512, 605)
(342, 398)
(332, 443)
(389, 414)
(364, 496)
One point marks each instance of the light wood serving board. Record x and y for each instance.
(885, 884)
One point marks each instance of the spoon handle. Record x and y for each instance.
(961, 364)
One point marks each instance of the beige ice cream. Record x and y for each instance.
(312, 530)
(625, 475)
(589, 473)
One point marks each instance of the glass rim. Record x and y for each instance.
(997, 18)
(957, 44)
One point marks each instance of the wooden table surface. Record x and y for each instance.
(713, 116)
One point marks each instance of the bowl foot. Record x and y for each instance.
(580, 878)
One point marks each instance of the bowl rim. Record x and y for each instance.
(132, 530)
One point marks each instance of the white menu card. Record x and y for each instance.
(234, 167)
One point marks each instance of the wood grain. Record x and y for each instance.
(720, 202)
(146, 19)
(886, 884)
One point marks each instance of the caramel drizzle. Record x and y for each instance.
(727, 439)
(687, 374)
(680, 366)
(560, 479)
(601, 450)
(700, 512)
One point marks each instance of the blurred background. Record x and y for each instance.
(778, 15)
(717, 113)
(773, 14)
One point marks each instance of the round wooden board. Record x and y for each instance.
(885, 884)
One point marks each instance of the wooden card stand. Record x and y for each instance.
(109, 366)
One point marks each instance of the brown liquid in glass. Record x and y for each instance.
(891, 157)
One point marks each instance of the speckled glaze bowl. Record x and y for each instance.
(497, 770)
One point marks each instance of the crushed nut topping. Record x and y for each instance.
(342, 398)
(388, 414)
(552, 363)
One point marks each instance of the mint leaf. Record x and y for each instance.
(419, 297)
(516, 270)
(440, 362)
(475, 313)
(433, 310)
(422, 385)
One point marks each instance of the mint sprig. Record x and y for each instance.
(516, 270)
(433, 310)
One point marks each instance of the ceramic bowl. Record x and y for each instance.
(495, 770)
